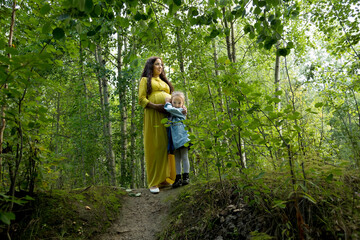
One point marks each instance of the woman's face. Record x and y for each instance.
(157, 68)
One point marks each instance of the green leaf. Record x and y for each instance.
(297, 128)
(257, 11)
(164, 120)
(177, 22)
(177, 2)
(45, 9)
(27, 197)
(31, 124)
(319, 104)
(259, 176)
(208, 144)
(269, 43)
(262, 3)
(248, 28)
(283, 52)
(329, 178)
(78, 28)
(278, 93)
(81, 5)
(308, 197)
(89, 5)
(46, 28)
(276, 100)
(97, 9)
(223, 3)
(290, 45)
(138, 16)
(6, 217)
(91, 33)
(214, 33)
(279, 203)
(58, 33)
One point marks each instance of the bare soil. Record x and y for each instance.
(141, 217)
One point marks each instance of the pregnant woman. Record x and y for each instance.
(153, 89)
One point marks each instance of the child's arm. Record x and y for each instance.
(177, 112)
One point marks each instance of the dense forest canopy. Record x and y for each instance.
(271, 85)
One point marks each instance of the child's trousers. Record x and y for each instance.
(181, 158)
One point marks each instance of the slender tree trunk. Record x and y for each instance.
(227, 38)
(123, 111)
(277, 79)
(219, 89)
(181, 63)
(182, 71)
(2, 116)
(231, 52)
(83, 109)
(233, 42)
(107, 123)
(133, 134)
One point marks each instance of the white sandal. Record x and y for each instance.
(154, 189)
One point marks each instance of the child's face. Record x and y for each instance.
(177, 102)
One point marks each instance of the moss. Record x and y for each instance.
(76, 214)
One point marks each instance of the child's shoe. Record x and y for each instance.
(178, 181)
(185, 179)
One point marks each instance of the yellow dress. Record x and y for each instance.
(155, 135)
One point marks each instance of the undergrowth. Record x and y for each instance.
(262, 206)
(60, 214)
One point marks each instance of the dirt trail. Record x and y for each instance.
(141, 217)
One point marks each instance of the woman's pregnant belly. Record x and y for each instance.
(158, 97)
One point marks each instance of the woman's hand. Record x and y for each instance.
(157, 107)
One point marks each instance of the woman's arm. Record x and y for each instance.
(157, 107)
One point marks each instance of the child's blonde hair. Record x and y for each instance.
(178, 94)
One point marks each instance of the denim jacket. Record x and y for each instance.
(178, 133)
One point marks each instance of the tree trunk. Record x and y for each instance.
(233, 42)
(228, 45)
(219, 89)
(82, 110)
(123, 111)
(181, 63)
(277, 79)
(133, 134)
(231, 52)
(2, 116)
(106, 118)
(182, 71)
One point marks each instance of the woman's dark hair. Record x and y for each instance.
(148, 73)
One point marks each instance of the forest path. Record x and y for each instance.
(141, 217)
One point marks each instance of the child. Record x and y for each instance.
(179, 136)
